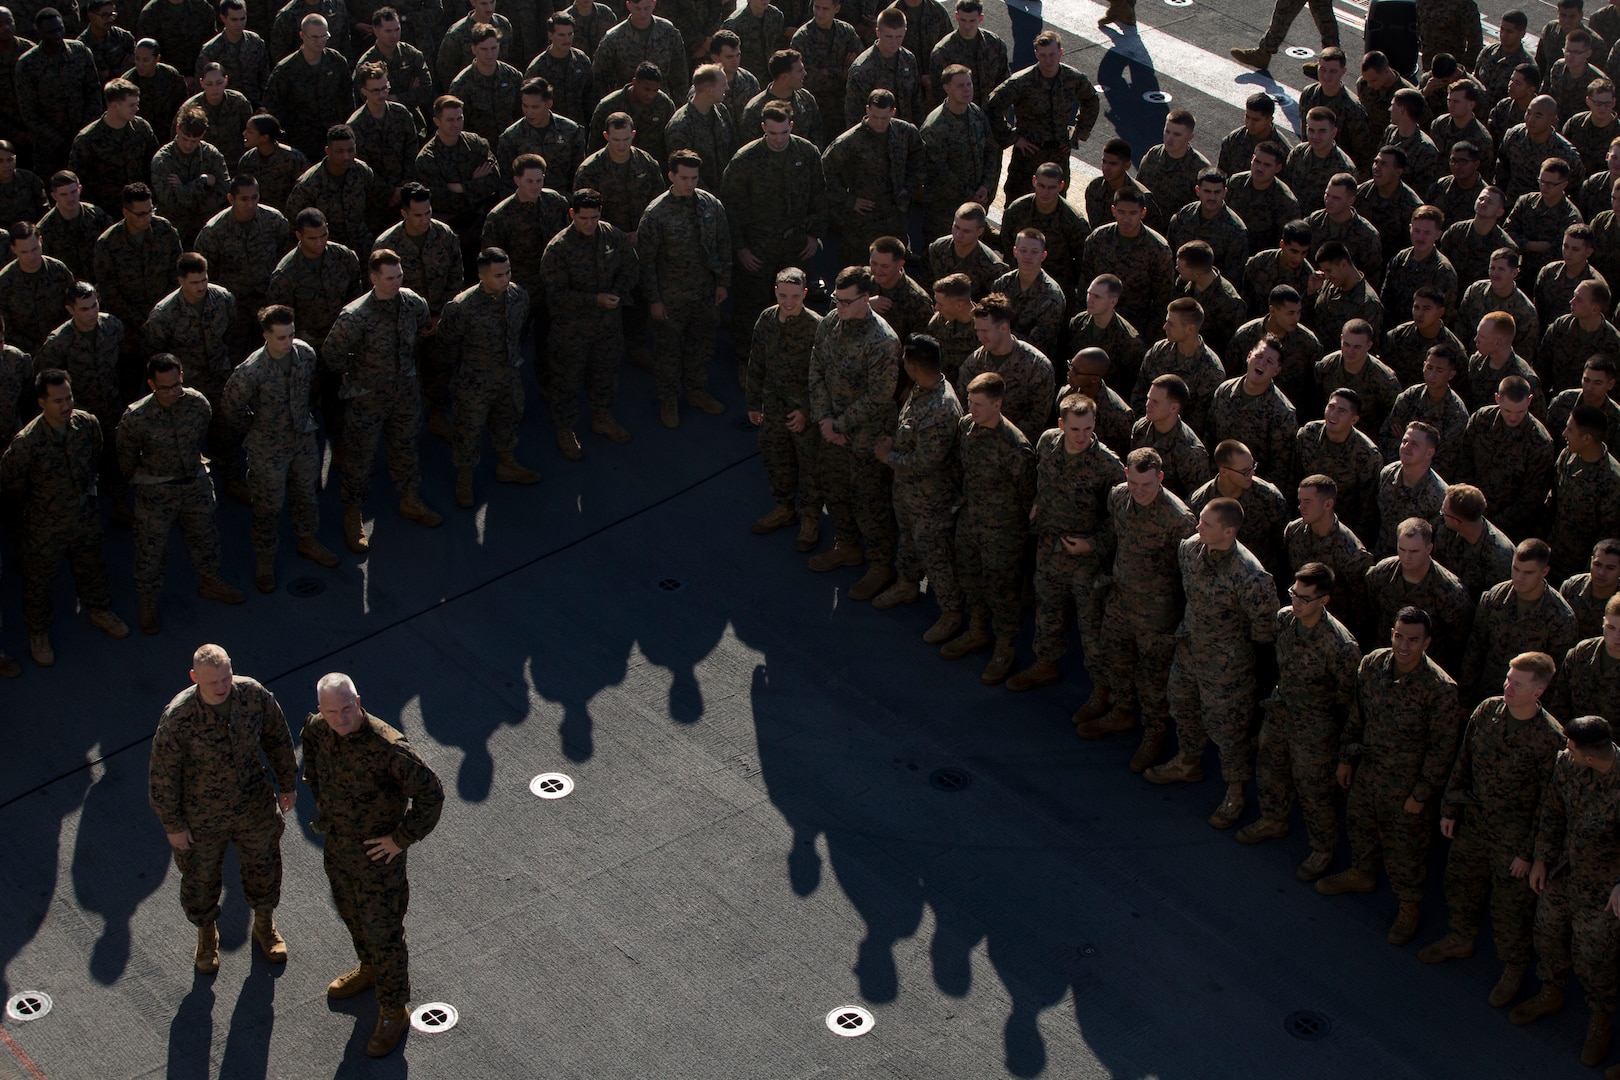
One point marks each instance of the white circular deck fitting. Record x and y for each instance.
(434, 1017)
(1156, 97)
(551, 785)
(28, 1005)
(1179, 3)
(849, 1021)
(1299, 52)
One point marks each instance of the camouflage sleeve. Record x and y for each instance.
(1479, 642)
(649, 244)
(341, 342)
(1443, 722)
(754, 384)
(165, 779)
(1460, 786)
(916, 159)
(882, 361)
(1260, 600)
(1086, 118)
(1345, 661)
(276, 740)
(820, 400)
(421, 785)
(14, 468)
(452, 328)
(236, 403)
(1355, 721)
(629, 273)
(1558, 699)
(312, 758)
(995, 107)
(936, 438)
(128, 443)
(1552, 818)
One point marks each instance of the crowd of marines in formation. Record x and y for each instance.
(332, 219)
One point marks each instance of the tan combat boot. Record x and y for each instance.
(1309, 68)
(1040, 673)
(1548, 1000)
(1347, 881)
(9, 668)
(1095, 705)
(1507, 987)
(354, 531)
(110, 624)
(702, 399)
(207, 955)
(875, 580)
(1405, 925)
(1598, 1032)
(1259, 831)
(1315, 866)
(271, 943)
(568, 443)
(39, 647)
(945, 627)
(264, 573)
(780, 517)
(669, 414)
(1117, 721)
(317, 552)
(1231, 808)
(1147, 752)
(603, 423)
(351, 983)
(150, 623)
(217, 588)
(464, 489)
(842, 554)
(903, 591)
(1120, 13)
(1255, 58)
(1181, 769)
(1001, 661)
(1453, 946)
(974, 638)
(509, 470)
(412, 508)
(391, 1025)
(809, 533)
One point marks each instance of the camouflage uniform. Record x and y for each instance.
(572, 82)
(957, 342)
(361, 784)
(1173, 180)
(455, 47)
(1586, 507)
(160, 453)
(1405, 349)
(199, 337)
(225, 121)
(1478, 566)
(684, 246)
(372, 345)
(276, 172)
(1354, 465)
(623, 47)
(1555, 287)
(1495, 67)
(161, 95)
(962, 157)
(1282, 17)
(1483, 379)
(778, 383)
(8, 82)
(1439, 593)
(1230, 604)
(1052, 113)
(1589, 140)
(1587, 683)
(884, 168)
(91, 362)
(627, 189)
(1565, 346)
(1100, 202)
(828, 55)
(928, 22)
(208, 776)
(1263, 272)
(927, 488)
(1307, 174)
(981, 264)
(711, 136)
(1037, 312)
(1406, 273)
(1027, 401)
(32, 303)
(1470, 253)
(761, 34)
(481, 339)
(1596, 198)
(1519, 158)
(1186, 462)
(246, 63)
(1504, 626)
(1533, 218)
(998, 485)
(1377, 385)
(1402, 729)
(388, 146)
(241, 256)
(492, 101)
(312, 97)
(1564, 403)
(408, 65)
(438, 166)
(1583, 600)
(1567, 89)
(1144, 263)
(1341, 551)
(316, 289)
(1478, 301)
(1511, 465)
(648, 121)
(561, 143)
(586, 340)
(1299, 737)
(266, 402)
(911, 309)
(1446, 134)
(1450, 26)
(1119, 339)
(285, 32)
(523, 230)
(189, 203)
(1202, 372)
(1237, 148)
(984, 54)
(341, 198)
(106, 158)
(16, 377)
(1265, 512)
(1264, 422)
(1356, 134)
(900, 74)
(1361, 235)
(1071, 500)
(53, 475)
(1397, 502)
(1224, 313)
(113, 53)
(1449, 417)
(1578, 838)
(57, 95)
(74, 242)
(1143, 607)
(853, 372)
(1065, 231)
(1422, 158)
(1263, 213)
(433, 270)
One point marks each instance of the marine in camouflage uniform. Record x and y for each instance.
(984, 54)
(1037, 311)
(1264, 272)
(1066, 232)
(648, 119)
(481, 339)
(161, 95)
(1355, 132)
(684, 247)
(438, 165)
(1405, 348)
(1143, 262)
(1185, 460)
(900, 74)
(242, 254)
(1263, 212)
(491, 102)
(981, 264)
(1265, 512)
(1586, 506)
(225, 122)
(1224, 313)
(246, 62)
(434, 271)
(266, 402)
(1264, 422)
(276, 171)
(522, 230)
(963, 159)
(310, 98)
(927, 489)
(1354, 464)
(73, 240)
(711, 136)
(189, 203)
(627, 187)
(1053, 113)
(31, 302)
(625, 46)
(1202, 372)
(58, 93)
(16, 376)
(1119, 339)
(957, 342)
(560, 141)
(1027, 399)
(1587, 683)
(1507, 624)
(1478, 301)
(586, 340)
(884, 167)
(341, 198)
(998, 485)
(1377, 385)
(1519, 158)
(1478, 565)
(778, 385)
(410, 77)
(1173, 180)
(199, 335)
(455, 47)
(1341, 551)
(316, 288)
(1512, 463)
(571, 79)
(105, 158)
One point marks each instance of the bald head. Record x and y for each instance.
(1092, 361)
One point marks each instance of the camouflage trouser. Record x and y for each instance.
(1574, 928)
(858, 497)
(683, 341)
(1378, 824)
(927, 547)
(584, 350)
(393, 409)
(1211, 698)
(793, 464)
(1062, 579)
(495, 396)
(987, 566)
(371, 898)
(1283, 15)
(76, 536)
(289, 475)
(258, 849)
(1136, 660)
(1477, 865)
(224, 446)
(158, 508)
(1298, 757)
(432, 375)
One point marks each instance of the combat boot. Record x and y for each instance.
(214, 587)
(669, 414)
(1309, 69)
(809, 533)
(1117, 721)
(1001, 661)
(1231, 808)
(1147, 752)
(464, 489)
(1347, 881)
(317, 552)
(1315, 866)
(351, 983)
(1255, 58)
(1181, 769)
(412, 508)
(1040, 673)
(39, 647)
(354, 531)
(702, 399)
(1405, 925)
(603, 423)
(9, 668)
(150, 623)
(110, 624)
(1095, 705)
(509, 470)
(945, 627)
(901, 592)
(875, 580)
(271, 943)
(974, 638)
(780, 517)
(842, 554)
(391, 1025)
(1598, 1031)
(1548, 1000)
(1453, 946)
(1119, 13)
(1507, 987)
(1264, 829)
(264, 573)
(207, 955)
(568, 443)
